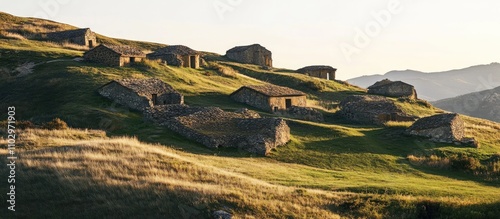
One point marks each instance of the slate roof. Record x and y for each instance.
(436, 121)
(125, 50)
(316, 68)
(145, 86)
(67, 34)
(387, 82)
(243, 48)
(176, 49)
(273, 90)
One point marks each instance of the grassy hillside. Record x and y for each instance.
(328, 169)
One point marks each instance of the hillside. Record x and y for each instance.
(484, 104)
(441, 85)
(328, 170)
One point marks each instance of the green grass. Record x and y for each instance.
(334, 156)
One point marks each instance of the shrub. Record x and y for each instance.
(223, 70)
(463, 162)
(56, 124)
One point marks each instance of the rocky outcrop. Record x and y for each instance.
(369, 109)
(215, 128)
(390, 88)
(445, 128)
(221, 215)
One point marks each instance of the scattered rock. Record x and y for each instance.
(369, 109)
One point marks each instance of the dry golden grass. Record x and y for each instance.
(10, 35)
(82, 158)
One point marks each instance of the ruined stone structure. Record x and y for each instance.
(319, 71)
(139, 94)
(179, 55)
(303, 113)
(446, 128)
(114, 55)
(84, 37)
(270, 97)
(390, 88)
(252, 54)
(369, 109)
(216, 128)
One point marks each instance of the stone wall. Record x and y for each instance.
(124, 96)
(254, 54)
(103, 55)
(266, 103)
(368, 109)
(445, 128)
(177, 60)
(215, 128)
(393, 89)
(303, 113)
(279, 103)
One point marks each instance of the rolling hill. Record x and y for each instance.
(112, 163)
(483, 104)
(441, 85)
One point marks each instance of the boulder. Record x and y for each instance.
(222, 215)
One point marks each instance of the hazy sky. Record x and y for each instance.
(359, 37)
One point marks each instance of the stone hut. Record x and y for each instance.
(84, 37)
(139, 94)
(252, 54)
(114, 55)
(179, 55)
(319, 71)
(216, 128)
(369, 109)
(270, 97)
(446, 128)
(390, 88)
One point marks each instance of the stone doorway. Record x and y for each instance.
(288, 103)
(154, 98)
(192, 61)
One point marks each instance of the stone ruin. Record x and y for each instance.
(390, 88)
(369, 109)
(442, 128)
(302, 113)
(215, 128)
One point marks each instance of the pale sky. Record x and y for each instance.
(359, 37)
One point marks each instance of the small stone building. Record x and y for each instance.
(319, 71)
(270, 97)
(84, 37)
(390, 88)
(113, 55)
(446, 128)
(139, 94)
(252, 54)
(216, 128)
(179, 55)
(370, 109)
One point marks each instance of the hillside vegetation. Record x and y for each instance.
(128, 167)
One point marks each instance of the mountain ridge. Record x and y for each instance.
(435, 86)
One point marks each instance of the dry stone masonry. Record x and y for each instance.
(113, 55)
(84, 37)
(269, 97)
(390, 88)
(181, 56)
(443, 128)
(369, 109)
(215, 128)
(252, 54)
(319, 71)
(139, 94)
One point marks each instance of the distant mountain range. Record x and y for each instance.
(484, 104)
(441, 85)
